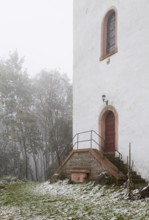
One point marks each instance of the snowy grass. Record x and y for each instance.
(63, 201)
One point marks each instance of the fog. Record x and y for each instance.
(40, 30)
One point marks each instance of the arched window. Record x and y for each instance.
(110, 44)
(109, 35)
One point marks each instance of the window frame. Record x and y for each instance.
(104, 52)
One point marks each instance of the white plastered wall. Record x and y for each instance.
(125, 80)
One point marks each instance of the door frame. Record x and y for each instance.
(101, 124)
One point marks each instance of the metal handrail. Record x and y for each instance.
(98, 135)
(88, 140)
(73, 143)
(63, 154)
(119, 154)
(89, 131)
(91, 140)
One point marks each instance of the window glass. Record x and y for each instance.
(110, 44)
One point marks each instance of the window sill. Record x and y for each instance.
(112, 52)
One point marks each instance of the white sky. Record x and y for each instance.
(40, 30)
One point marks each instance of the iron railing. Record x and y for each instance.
(77, 139)
(91, 137)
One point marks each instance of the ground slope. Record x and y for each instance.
(62, 201)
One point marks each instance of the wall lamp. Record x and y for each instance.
(104, 99)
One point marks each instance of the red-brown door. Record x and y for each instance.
(109, 132)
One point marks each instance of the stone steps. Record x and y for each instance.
(89, 159)
(136, 179)
(81, 159)
(109, 166)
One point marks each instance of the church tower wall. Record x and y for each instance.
(123, 77)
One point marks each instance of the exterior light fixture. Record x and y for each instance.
(104, 99)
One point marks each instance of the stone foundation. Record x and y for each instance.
(81, 166)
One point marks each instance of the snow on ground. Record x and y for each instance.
(63, 201)
(102, 202)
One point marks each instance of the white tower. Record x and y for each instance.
(111, 44)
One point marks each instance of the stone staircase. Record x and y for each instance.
(137, 180)
(80, 159)
(93, 161)
(75, 158)
(114, 165)
(114, 170)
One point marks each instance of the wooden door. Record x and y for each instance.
(110, 132)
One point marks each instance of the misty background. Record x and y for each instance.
(40, 30)
(35, 87)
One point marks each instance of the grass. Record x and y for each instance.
(28, 201)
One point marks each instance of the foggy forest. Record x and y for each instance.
(35, 120)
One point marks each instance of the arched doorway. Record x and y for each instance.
(109, 145)
(108, 129)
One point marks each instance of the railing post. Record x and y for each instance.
(129, 173)
(91, 139)
(77, 141)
